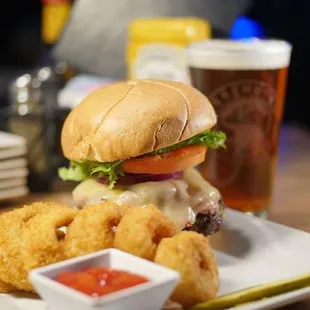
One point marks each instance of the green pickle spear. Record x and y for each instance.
(255, 293)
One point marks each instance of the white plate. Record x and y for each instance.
(13, 173)
(12, 193)
(250, 251)
(9, 140)
(13, 163)
(15, 151)
(12, 182)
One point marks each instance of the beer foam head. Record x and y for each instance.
(239, 55)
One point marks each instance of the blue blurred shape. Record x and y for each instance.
(246, 28)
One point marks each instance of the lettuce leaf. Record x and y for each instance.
(75, 172)
(81, 171)
(211, 139)
(109, 170)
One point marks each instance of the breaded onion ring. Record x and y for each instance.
(93, 229)
(190, 254)
(141, 229)
(7, 288)
(12, 269)
(42, 243)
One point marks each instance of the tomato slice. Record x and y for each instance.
(178, 160)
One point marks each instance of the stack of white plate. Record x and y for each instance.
(13, 166)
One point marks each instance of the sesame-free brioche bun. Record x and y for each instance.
(128, 119)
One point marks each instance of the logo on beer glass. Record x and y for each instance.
(245, 110)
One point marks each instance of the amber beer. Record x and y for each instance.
(246, 83)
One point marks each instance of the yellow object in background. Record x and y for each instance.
(54, 17)
(156, 47)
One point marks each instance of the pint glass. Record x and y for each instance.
(246, 83)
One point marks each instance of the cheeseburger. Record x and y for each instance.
(137, 143)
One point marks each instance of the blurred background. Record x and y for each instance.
(53, 52)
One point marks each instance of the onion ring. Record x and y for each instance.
(190, 254)
(141, 229)
(12, 269)
(93, 229)
(41, 242)
(7, 288)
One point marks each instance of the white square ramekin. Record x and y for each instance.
(149, 296)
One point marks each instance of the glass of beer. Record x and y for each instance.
(246, 83)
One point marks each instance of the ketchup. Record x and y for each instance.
(99, 281)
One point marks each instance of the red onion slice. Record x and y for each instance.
(129, 179)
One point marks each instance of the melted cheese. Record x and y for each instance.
(180, 199)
